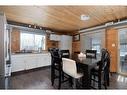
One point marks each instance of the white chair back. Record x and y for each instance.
(69, 66)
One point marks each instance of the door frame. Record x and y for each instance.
(118, 57)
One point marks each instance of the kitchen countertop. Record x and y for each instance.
(43, 52)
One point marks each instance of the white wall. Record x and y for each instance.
(66, 42)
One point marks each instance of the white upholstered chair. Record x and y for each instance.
(69, 67)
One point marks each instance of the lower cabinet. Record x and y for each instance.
(29, 61)
(18, 63)
(45, 61)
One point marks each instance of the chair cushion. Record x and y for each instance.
(78, 75)
(69, 67)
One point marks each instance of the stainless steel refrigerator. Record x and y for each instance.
(5, 63)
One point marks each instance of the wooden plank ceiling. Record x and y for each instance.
(64, 18)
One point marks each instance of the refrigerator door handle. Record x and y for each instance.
(6, 49)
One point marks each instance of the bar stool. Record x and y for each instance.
(91, 53)
(65, 53)
(102, 70)
(69, 68)
(56, 66)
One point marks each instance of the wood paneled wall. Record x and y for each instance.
(15, 40)
(112, 46)
(76, 46)
(51, 44)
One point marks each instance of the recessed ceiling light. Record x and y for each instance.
(84, 17)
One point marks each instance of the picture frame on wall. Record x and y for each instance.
(76, 37)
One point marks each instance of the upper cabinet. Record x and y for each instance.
(54, 37)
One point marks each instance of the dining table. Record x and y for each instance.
(85, 65)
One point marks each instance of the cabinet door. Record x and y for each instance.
(57, 37)
(44, 60)
(41, 61)
(52, 37)
(47, 60)
(31, 62)
(18, 64)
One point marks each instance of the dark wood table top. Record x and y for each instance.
(87, 61)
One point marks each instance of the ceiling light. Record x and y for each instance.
(84, 17)
(109, 23)
(29, 25)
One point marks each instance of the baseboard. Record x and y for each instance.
(30, 70)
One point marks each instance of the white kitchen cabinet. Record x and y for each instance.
(47, 60)
(54, 37)
(58, 37)
(18, 63)
(29, 61)
(44, 60)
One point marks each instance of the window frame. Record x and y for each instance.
(28, 32)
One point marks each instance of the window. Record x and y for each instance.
(123, 49)
(94, 40)
(96, 47)
(32, 41)
(96, 44)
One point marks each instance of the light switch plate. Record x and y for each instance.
(113, 45)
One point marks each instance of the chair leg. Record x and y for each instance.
(59, 85)
(108, 82)
(99, 82)
(52, 75)
(70, 81)
(94, 77)
(62, 76)
(74, 83)
(91, 82)
(105, 84)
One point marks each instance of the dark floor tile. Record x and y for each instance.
(40, 79)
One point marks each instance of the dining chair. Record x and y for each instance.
(102, 70)
(106, 70)
(56, 66)
(124, 62)
(69, 68)
(65, 53)
(91, 53)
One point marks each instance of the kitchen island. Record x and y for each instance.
(26, 61)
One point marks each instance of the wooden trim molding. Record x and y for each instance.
(112, 38)
(34, 26)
